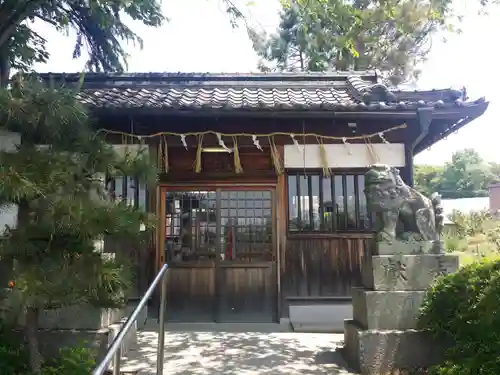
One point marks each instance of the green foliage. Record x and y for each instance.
(427, 179)
(462, 310)
(454, 243)
(13, 355)
(390, 35)
(64, 207)
(78, 360)
(319, 35)
(99, 24)
(467, 173)
(466, 176)
(494, 237)
(473, 223)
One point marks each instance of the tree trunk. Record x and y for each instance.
(31, 330)
(4, 70)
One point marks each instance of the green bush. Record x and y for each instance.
(462, 310)
(454, 243)
(72, 361)
(14, 358)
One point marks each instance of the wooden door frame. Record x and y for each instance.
(272, 186)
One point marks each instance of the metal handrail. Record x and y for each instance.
(114, 352)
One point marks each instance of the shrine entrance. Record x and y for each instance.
(220, 244)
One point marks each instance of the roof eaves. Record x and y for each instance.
(210, 77)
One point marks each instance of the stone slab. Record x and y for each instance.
(52, 341)
(409, 248)
(80, 317)
(384, 352)
(386, 309)
(406, 272)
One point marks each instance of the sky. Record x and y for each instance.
(199, 38)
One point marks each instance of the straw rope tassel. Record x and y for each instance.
(159, 155)
(324, 158)
(236, 155)
(275, 155)
(372, 151)
(165, 154)
(199, 150)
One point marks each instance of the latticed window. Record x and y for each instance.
(319, 203)
(129, 189)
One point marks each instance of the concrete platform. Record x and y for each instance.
(243, 349)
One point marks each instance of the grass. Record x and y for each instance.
(471, 248)
(473, 236)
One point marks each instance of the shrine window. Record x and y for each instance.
(319, 203)
(129, 189)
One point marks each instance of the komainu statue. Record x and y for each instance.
(403, 214)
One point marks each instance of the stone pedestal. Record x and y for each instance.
(382, 336)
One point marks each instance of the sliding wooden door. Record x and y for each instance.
(220, 243)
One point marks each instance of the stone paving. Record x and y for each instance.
(236, 349)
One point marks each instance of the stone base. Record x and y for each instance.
(80, 317)
(406, 272)
(53, 340)
(384, 352)
(410, 247)
(386, 309)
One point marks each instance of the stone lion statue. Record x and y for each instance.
(402, 212)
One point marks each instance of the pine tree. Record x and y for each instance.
(336, 35)
(54, 177)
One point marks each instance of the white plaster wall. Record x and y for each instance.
(8, 213)
(344, 156)
(327, 317)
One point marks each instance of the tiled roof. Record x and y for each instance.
(358, 91)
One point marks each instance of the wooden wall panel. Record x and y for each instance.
(191, 294)
(181, 160)
(247, 293)
(316, 266)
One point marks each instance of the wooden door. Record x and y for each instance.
(220, 243)
(246, 272)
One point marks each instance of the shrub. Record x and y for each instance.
(454, 243)
(471, 224)
(72, 361)
(14, 359)
(462, 309)
(13, 356)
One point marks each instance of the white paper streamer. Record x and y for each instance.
(183, 140)
(296, 143)
(222, 144)
(256, 142)
(344, 140)
(381, 135)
